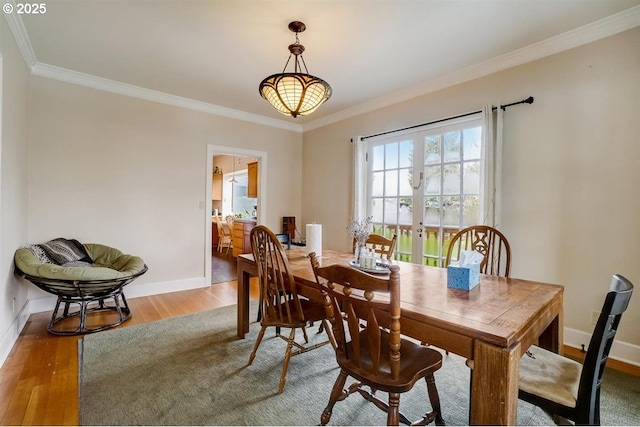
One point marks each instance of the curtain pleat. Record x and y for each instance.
(492, 165)
(359, 178)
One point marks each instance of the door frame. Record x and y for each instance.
(223, 150)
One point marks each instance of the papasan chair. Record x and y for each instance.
(89, 275)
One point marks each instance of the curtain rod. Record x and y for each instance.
(529, 100)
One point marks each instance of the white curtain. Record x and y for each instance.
(492, 167)
(359, 178)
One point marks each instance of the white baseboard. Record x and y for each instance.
(620, 351)
(13, 333)
(136, 291)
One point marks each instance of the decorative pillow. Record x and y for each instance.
(40, 254)
(61, 251)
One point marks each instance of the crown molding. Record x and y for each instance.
(20, 34)
(62, 74)
(602, 28)
(99, 83)
(614, 24)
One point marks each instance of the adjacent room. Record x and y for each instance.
(311, 212)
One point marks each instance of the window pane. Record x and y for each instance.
(432, 211)
(451, 206)
(376, 209)
(405, 182)
(452, 146)
(390, 210)
(471, 178)
(391, 156)
(391, 183)
(405, 213)
(471, 211)
(472, 143)
(406, 154)
(377, 158)
(377, 178)
(432, 180)
(451, 179)
(432, 149)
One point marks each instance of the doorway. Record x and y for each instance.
(230, 198)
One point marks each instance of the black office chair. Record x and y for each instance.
(563, 387)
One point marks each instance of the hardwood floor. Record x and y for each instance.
(39, 379)
(223, 267)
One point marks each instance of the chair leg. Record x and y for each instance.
(434, 398)
(336, 394)
(256, 345)
(393, 412)
(287, 358)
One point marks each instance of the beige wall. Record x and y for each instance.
(571, 168)
(132, 174)
(13, 184)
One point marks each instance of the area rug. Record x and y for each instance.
(192, 370)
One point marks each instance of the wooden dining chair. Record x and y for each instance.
(493, 246)
(224, 237)
(229, 220)
(280, 304)
(489, 242)
(564, 387)
(364, 311)
(380, 244)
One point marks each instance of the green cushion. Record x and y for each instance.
(109, 263)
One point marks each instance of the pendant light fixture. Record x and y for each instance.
(233, 179)
(295, 94)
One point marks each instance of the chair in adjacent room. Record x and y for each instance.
(380, 244)
(280, 304)
(489, 242)
(564, 387)
(224, 236)
(364, 311)
(229, 220)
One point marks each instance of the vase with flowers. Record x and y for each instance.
(360, 229)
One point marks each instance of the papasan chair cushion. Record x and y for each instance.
(80, 274)
(105, 263)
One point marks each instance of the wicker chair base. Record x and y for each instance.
(87, 306)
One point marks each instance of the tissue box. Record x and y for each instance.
(465, 278)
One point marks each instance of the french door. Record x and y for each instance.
(426, 185)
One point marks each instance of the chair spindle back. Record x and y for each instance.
(353, 300)
(276, 280)
(489, 242)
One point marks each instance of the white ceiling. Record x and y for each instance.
(212, 54)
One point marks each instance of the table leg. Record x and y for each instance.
(494, 391)
(552, 338)
(243, 299)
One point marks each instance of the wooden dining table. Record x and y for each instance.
(493, 324)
